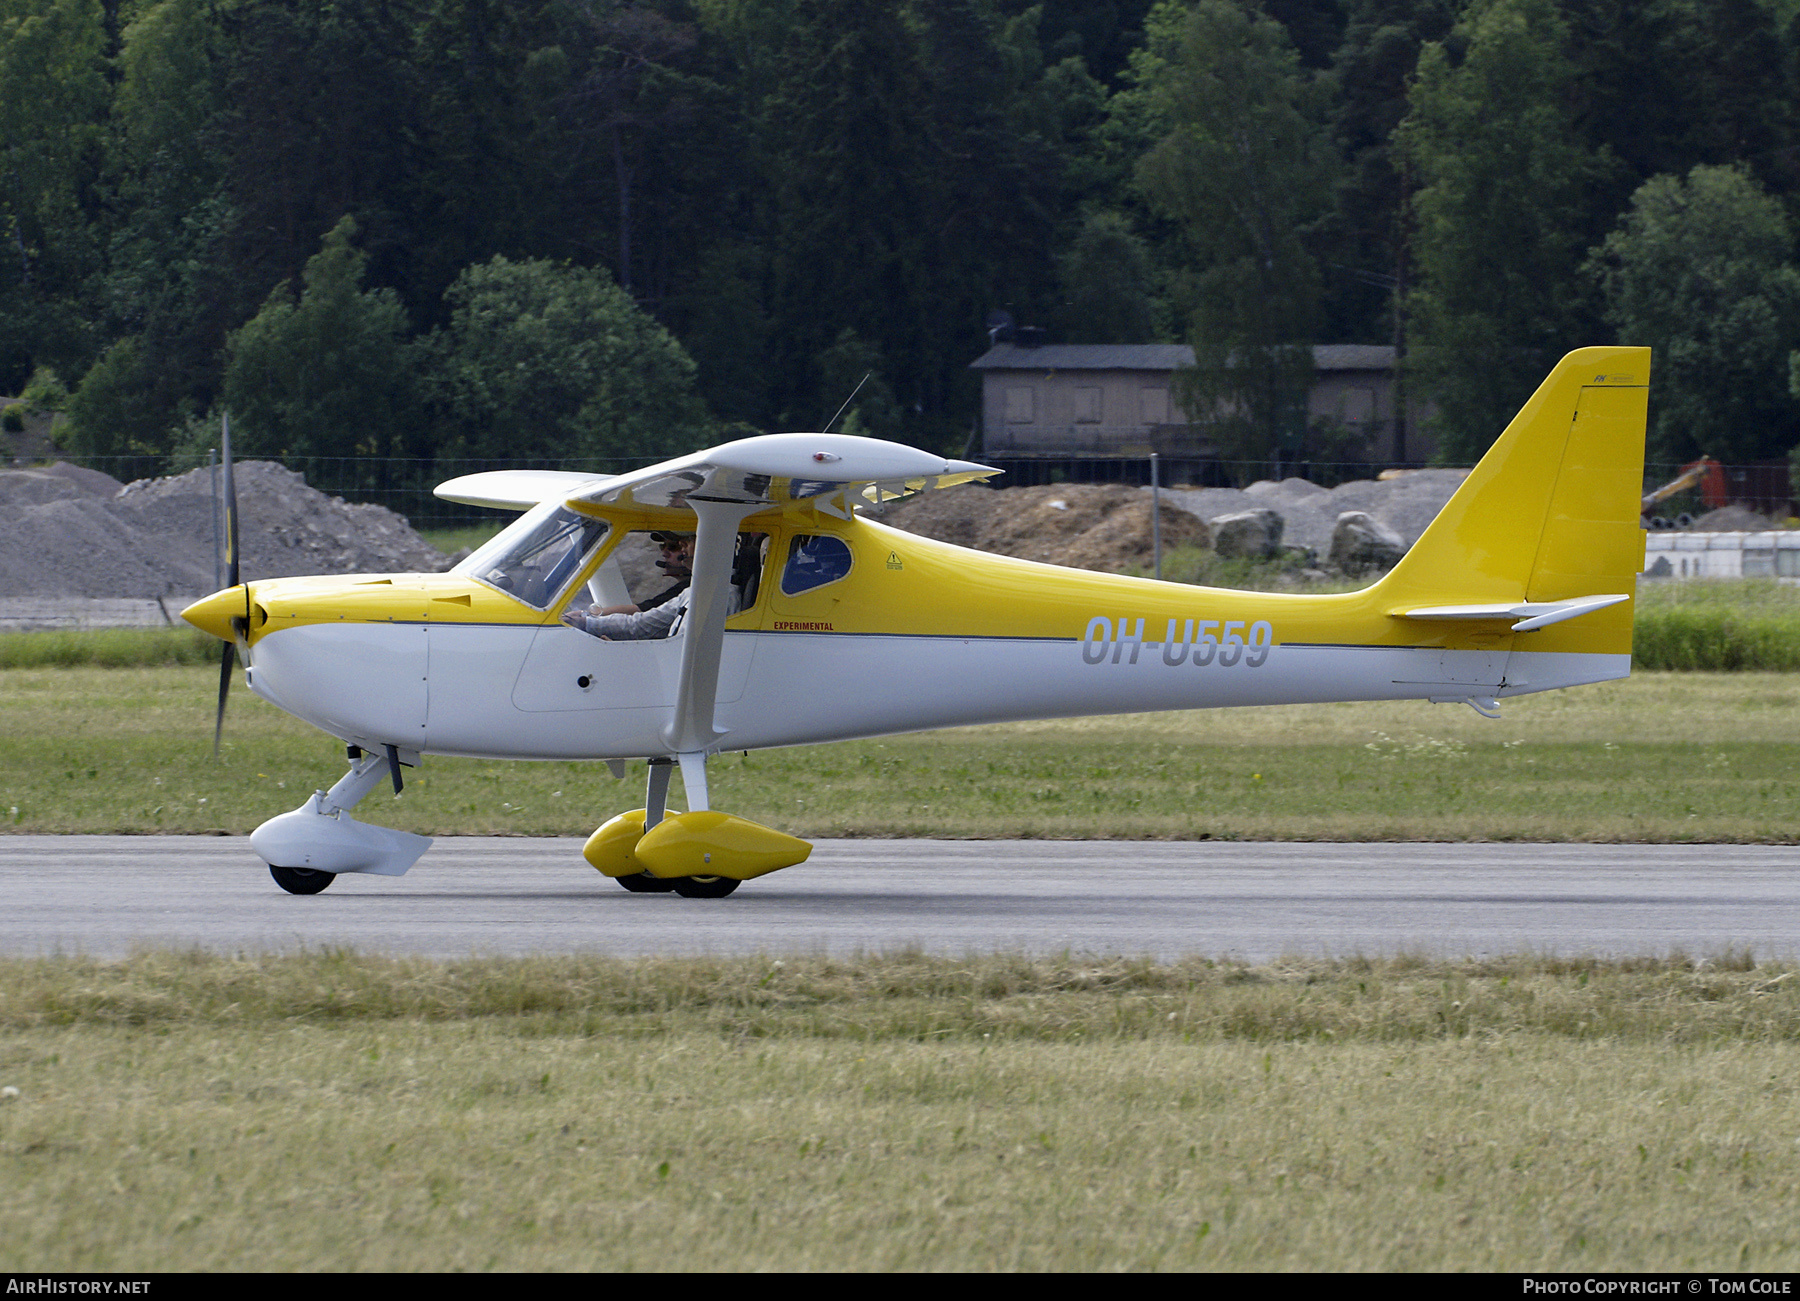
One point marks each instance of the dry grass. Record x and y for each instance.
(331, 1112)
(911, 995)
(1661, 757)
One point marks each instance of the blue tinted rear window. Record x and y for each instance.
(813, 561)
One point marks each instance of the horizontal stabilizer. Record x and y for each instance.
(1531, 614)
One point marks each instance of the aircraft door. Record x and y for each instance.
(567, 669)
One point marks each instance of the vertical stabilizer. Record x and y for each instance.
(1551, 513)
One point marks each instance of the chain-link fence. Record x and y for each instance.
(1763, 487)
(404, 484)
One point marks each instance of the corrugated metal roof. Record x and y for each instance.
(1353, 356)
(1160, 356)
(1086, 356)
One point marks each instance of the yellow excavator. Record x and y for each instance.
(1707, 473)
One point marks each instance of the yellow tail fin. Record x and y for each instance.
(1551, 513)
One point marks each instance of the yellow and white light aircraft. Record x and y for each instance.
(806, 622)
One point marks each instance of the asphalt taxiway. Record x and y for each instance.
(106, 895)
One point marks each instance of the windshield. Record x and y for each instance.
(538, 556)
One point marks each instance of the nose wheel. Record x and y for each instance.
(301, 880)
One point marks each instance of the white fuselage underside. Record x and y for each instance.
(517, 692)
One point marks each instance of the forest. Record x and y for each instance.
(553, 229)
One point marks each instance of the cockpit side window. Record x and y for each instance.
(814, 559)
(539, 556)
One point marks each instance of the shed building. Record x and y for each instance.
(1074, 400)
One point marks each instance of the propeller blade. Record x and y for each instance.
(240, 627)
(231, 507)
(225, 662)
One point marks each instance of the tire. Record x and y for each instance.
(705, 887)
(301, 880)
(644, 883)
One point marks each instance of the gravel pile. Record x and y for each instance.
(1733, 519)
(1083, 526)
(74, 533)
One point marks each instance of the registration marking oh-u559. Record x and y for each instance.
(1200, 642)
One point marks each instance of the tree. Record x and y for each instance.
(332, 374)
(52, 101)
(855, 368)
(1502, 217)
(486, 177)
(917, 162)
(321, 119)
(1109, 283)
(1698, 270)
(1671, 84)
(1242, 165)
(165, 285)
(634, 91)
(106, 417)
(1364, 239)
(542, 361)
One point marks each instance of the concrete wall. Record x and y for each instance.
(67, 614)
(1774, 554)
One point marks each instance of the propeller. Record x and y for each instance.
(240, 626)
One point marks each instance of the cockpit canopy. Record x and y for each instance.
(539, 555)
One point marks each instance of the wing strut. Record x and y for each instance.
(692, 729)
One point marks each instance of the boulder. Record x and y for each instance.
(1255, 534)
(1362, 544)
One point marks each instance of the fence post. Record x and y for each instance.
(1156, 516)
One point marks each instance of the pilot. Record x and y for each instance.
(677, 561)
(661, 621)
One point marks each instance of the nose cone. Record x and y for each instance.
(214, 613)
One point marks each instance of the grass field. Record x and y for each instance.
(1719, 625)
(1660, 757)
(450, 541)
(321, 1111)
(329, 1111)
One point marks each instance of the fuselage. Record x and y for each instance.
(901, 633)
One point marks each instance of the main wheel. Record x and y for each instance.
(705, 887)
(644, 883)
(301, 880)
